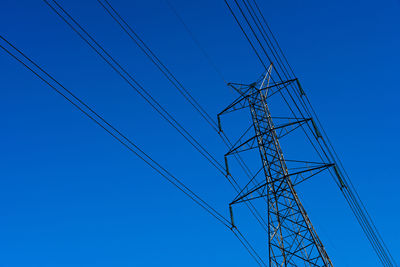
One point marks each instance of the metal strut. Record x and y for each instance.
(292, 239)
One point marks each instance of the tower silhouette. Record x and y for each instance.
(292, 240)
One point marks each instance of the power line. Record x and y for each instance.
(82, 33)
(127, 77)
(264, 64)
(376, 238)
(156, 61)
(182, 90)
(142, 92)
(39, 72)
(349, 192)
(105, 125)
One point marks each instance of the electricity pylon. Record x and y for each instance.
(292, 239)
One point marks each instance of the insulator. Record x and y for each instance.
(317, 132)
(219, 124)
(231, 214)
(226, 166)
(342, 185)
(300, 88)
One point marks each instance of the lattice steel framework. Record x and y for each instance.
(292, 239)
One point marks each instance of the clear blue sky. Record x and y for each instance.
(72, 196)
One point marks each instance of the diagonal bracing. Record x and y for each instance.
(292, 240)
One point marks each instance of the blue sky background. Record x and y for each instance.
(72, 196)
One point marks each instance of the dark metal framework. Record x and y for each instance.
(292, 239)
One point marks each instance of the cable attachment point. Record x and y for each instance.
(233, 226)
(317, 132)
(219, 123)
(226, 166)
(342, 185)
(300, 88)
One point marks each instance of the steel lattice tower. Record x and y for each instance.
(292, 239)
